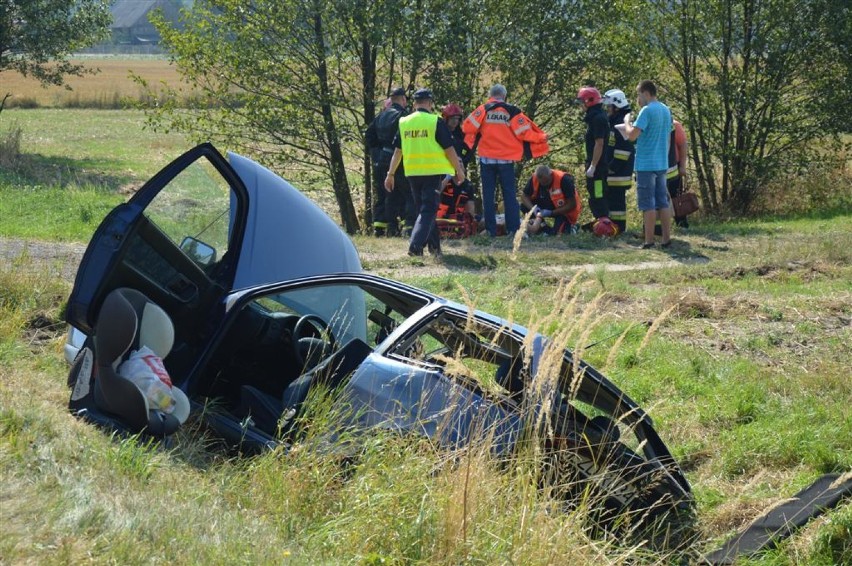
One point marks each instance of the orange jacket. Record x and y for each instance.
(557, 197)
(501, 131)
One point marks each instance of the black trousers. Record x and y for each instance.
(598, 193)
(426, 191)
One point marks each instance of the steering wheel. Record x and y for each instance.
(310, 350)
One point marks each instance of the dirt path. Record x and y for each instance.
(63, 258)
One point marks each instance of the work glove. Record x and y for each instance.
(545, 213)
(590, 172)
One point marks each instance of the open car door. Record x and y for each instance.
(199, 229)
(177, 240)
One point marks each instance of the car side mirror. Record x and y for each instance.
(201, 253)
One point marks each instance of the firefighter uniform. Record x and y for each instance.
(454, 199)
(597, 127)
(621, 154)
(389, 208)
(674, 182)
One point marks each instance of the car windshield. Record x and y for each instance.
(350, 310)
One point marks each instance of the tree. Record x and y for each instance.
(752, 77)
(37, 36)
(265, 79)
(367, 32)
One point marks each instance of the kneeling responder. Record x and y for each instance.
(553, 194)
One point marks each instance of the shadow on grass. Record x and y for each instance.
(476, 262)
(64, 172)
(682, 252)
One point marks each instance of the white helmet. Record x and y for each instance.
(615, 97)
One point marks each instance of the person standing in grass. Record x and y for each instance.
(501, 135)
(424, 145)
(651, 132)
(597, 167)
(620, 156)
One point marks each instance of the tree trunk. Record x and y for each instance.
(368, 78)
(337, 169)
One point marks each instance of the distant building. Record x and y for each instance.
(130, 20)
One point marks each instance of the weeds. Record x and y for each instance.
(10, 147)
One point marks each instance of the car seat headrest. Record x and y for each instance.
(156, 330)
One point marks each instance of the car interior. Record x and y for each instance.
(280, 345)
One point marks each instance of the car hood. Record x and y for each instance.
(287, 236)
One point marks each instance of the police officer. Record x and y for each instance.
(425, 147)
(597, 168)
(620, 154)
(387, 208)
(552, 194)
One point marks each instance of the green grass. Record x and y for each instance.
(746, 377)
(73, 167)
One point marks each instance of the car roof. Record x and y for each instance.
(287, 235)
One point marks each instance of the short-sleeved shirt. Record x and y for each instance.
(442, 134)
(543, 199)
(652, 145)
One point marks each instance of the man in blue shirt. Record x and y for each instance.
(651, 132)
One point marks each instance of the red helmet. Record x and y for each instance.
(589, 96)
(605, 228)
(451, 110)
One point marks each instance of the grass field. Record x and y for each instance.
(746, 375)
(110, 87)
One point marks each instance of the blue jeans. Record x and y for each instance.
(489, 173)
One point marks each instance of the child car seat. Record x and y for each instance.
(127, 321)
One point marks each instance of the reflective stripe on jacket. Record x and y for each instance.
(422, 155)
(677, 132)
(501, 131)
(621, 153)
(557, 197)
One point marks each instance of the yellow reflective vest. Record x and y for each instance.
(422, 155)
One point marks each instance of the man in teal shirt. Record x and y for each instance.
(651, 131)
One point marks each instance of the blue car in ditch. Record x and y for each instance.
(256, 299)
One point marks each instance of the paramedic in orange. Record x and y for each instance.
(552, 194)
(501, 135)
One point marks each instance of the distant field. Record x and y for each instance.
(105, 89)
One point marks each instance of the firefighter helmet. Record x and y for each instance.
(615, 97)
(451, 110)
(605, 228)
(588, 96)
